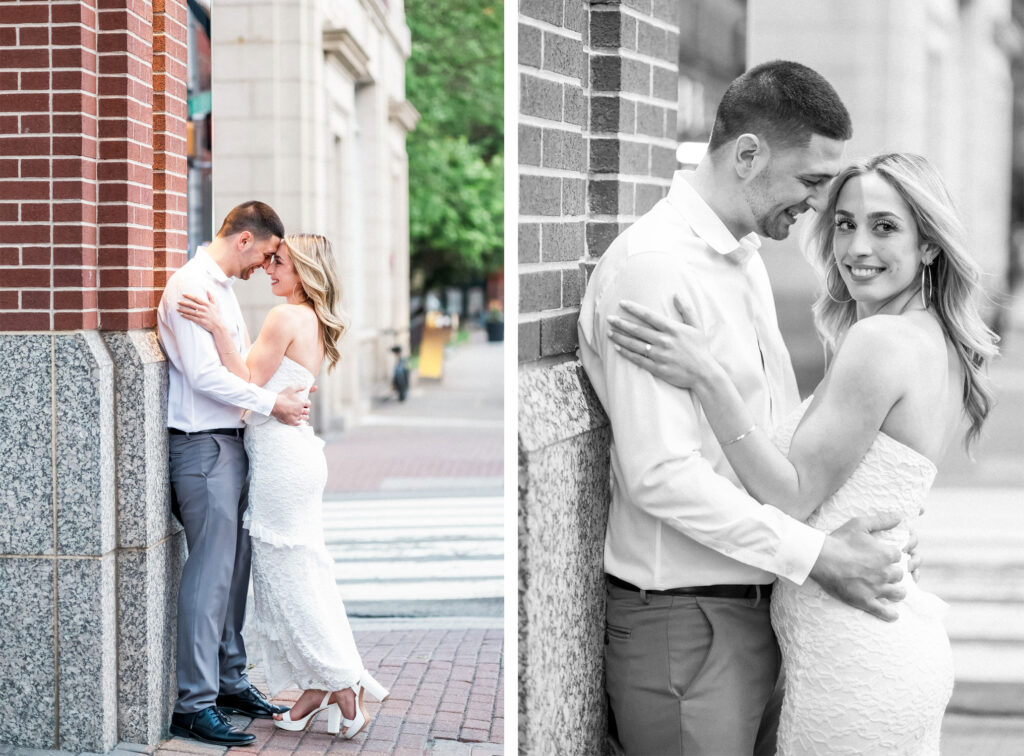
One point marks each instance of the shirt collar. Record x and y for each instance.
(706, 224)
(212, 268)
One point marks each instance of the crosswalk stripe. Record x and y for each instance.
(349, 572)
(429, 591)
(417, 549)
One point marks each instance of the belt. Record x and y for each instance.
(706, 591)
(236, 432)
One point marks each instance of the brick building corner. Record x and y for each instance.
(92, 221)
(598, 83)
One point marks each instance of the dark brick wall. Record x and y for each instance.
(598, 88)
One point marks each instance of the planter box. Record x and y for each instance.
(495, 330)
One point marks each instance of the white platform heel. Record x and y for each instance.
(374, 688)
(334, 718)
(358, 723)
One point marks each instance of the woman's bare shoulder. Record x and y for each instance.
(289, 315)
(894, 337)
(875, 352)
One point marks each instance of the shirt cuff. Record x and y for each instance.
(265, 400)
(799, 549)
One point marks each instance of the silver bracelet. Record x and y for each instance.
(740, 437)
(233, 351)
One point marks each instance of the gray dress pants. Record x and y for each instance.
(691, 675)
(208, 495)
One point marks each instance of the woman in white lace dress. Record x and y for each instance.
(299, 626)
(898, 311)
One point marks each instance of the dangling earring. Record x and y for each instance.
(828, 286)
(924, 301)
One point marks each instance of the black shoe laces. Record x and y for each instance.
(219, 716)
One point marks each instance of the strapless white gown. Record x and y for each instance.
(297, 626)
(855, 684)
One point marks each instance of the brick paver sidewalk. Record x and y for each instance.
(366, 458)
(446, 698)
(447, 432)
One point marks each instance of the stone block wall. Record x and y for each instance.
(92, 220)
(598, 86)
(563, 509)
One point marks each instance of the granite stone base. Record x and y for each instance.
(147, 612)
(87, 679)
(83, 433)
(89, 556)
(564, 440)
(28, 663)
(26, 444)
(143, 487)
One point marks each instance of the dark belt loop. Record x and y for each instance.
(757, 595)
(644, 597)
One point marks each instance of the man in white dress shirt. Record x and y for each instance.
(691, 659)
(208, 469)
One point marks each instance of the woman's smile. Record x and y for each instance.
(861, 273)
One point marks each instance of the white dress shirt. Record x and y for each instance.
(202, 393)
(678, 516)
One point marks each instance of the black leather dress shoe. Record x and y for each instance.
(251, 703)
(209, 726)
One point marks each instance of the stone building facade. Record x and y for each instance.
(310, 116)
(92, 221)
(598, 83)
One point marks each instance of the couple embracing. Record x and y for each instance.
(706, 652)
(249, 493)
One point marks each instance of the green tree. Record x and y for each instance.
(454, 78)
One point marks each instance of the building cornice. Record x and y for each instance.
(343, 47)
(380, 13)
(403, 113)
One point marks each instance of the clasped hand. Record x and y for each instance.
(676, 351)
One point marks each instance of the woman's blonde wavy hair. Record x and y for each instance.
(956, 277)
(313, 259)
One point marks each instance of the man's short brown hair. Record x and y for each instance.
(253, 216)
(783, 102)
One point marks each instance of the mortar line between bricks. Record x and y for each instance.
(640, 16)
(536, 23)
(553, 219)
(637, 57)
(545, 267)
(637, 140)
(627, 177)
(616, 218)
(570, 128)
(527, 317)
(532, 170)
(552, 77)
(637, 98)
(534, 120)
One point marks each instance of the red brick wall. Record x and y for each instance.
(598, 82)
(92, 166)
(170, 116)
